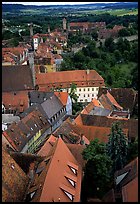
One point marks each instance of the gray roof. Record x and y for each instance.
(52, 106)
(34, 107)
(16, 78)
(39, 96)
(100, 111)
(10, 118)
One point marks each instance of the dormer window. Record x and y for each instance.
(73, 170)
(71, 182)
(69, 195)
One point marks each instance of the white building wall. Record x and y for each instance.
(35, 43)
(86, 94)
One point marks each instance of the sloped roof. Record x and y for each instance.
(52, 106)
(126, 97)
(15, 99)
(92, 132)
(129, 183)
(14, 180)
(19, 134)
(77, 150)
(130, 191)
(53, 184)
(16, 78)
(45, 149)
(39, 96)
(103, 121)
(68, 76)
(62, 96)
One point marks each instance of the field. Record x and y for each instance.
(117, 12)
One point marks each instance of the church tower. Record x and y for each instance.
(64, 24)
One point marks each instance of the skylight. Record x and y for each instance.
(120, 178)
(72, 182)
(73, 170)
(69, 195)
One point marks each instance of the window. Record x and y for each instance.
(88, 95)
(71, 182)
(69, 195)
(84, 89)
(73, 170)
(81, 100)
(79, 94)
(88, 89)
(84, 95)
(85, 100)
(97, 89)
(79, 89)
(92, 89)
(92, 95)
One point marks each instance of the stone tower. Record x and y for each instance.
(31, 64)
(64, 24)
(48, 29)
(31, 29)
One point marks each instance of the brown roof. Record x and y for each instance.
(15, 100)
(14, 180)
(129, 183)
(103, 121)
(126, 97)
(130, 191)
(45, 149)
(69, 77)
(58, 175)
(19, 134)
(77, 150)
(16, 78)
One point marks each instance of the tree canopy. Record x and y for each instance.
(117, 147)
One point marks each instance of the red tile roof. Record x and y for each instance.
(113, 101)
(63, 97)
(16, 100)
(67, 77)
(130, 191)
(52, 185)
(45, 149)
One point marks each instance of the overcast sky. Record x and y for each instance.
(52, 3)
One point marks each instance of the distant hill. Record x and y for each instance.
(117, 5)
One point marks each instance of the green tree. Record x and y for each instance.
(94, 35)
(124, 32)
(118, 55)
(109, 44)
(117, 147)
(72, 93)
(97, 169)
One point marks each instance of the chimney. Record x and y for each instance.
(87, 71)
